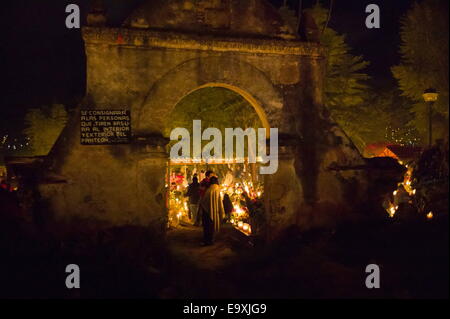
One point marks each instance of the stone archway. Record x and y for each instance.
(169, 83)
(151, 62)
(229, 73)
(259, 109)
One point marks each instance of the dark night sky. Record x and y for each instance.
(43, 62)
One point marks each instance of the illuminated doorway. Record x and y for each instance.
(217, 107)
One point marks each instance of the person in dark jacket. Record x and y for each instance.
(204, 184)
(227, 206)
(193, 193)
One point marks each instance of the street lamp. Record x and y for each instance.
(430, 96)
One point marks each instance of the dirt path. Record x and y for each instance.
(229, 269)
(200, 271)
(185, 242)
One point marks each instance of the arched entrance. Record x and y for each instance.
(259, 109)
(252, 85)
(242, 187)
(224, 72)
(146, 66)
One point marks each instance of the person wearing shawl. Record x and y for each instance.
(211, 206)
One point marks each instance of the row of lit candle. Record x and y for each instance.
(235, 160)
(246, 228)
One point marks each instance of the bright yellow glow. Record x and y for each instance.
(395, 192)
(238, 210)
(430, 215)
(392, 210)
(430, 97)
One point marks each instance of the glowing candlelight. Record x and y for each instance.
(430, 215)
(240, 224)
(238, 210)
(392, 211)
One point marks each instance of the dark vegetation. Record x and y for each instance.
(130, 262)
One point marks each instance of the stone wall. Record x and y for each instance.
(148, 72)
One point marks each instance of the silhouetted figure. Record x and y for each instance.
(227, 206)
(204, 184)
(211, 208)
(193, 193)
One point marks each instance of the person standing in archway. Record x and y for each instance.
(193, 193)
(204, 185)
(211, 207)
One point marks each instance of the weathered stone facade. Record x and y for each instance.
(149, 65)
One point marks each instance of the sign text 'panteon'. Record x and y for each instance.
(105, 127)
